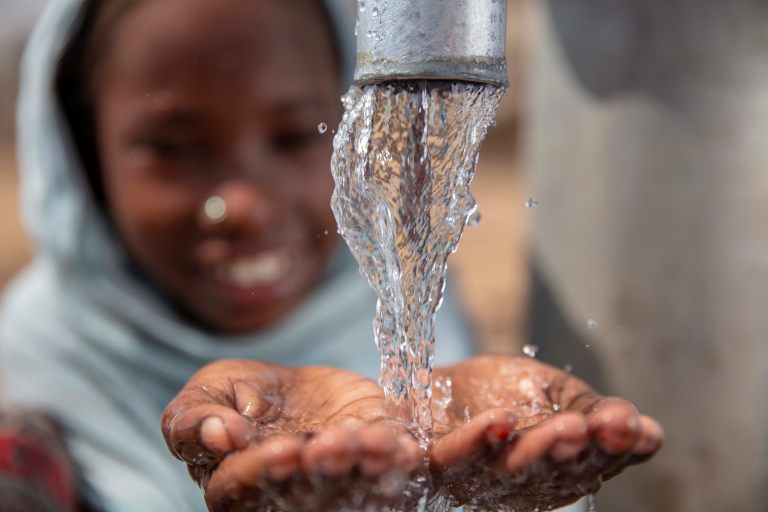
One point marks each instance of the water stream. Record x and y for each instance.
(404, 157)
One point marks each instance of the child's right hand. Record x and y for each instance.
(256, 435)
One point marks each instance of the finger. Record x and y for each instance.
(572, 439)
(207, 432)
(274, 461)
(651, 436)
(383, 449)
(250, 402)
(378, 445)
(482, 433)
(615, 425)
(333, 453)
(409, 455)
(650, 442)
(561, 437)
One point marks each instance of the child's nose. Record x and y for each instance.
(241, 206)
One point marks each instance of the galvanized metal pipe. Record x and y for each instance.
(431, 39)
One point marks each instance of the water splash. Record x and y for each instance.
(530, 350)
(404, 157)
(322, 127)
(475, 219)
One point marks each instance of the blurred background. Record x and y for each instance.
(15, 24)
(642, 132)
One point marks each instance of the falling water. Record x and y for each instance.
(404, 157)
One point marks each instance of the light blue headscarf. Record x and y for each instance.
(84, 338)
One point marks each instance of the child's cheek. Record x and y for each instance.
(150, 208)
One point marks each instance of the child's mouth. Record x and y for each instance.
(263, 269)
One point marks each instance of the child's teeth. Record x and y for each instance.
(261, 269)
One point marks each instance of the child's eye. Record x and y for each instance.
(169, 149)
(296, 140)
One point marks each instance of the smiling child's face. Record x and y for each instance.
(203, 99)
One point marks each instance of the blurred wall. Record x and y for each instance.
(16, 21)
(646, 147)
(491, 263)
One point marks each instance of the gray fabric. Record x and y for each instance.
(83, 338)
(647, 152)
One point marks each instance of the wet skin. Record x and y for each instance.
(251, 432)
(200, 99)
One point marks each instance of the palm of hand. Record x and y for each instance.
(257, 435)
(516, 434)
(510, 433)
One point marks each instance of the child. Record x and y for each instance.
(177, 188)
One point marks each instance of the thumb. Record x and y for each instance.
(199, 430)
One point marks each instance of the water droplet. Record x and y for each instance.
(362, 6)
(556, 407)
(369, 34)
(375, 12)
(446, 48)
(475, 218)
(568, 368)
(531, 203)
(326, 231)
(355, 30)
(587, 345)
(215, 209)
(591, 503)
(530, 350)
(322, 127)
(592, 324)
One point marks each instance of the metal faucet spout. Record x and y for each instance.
(431, 39)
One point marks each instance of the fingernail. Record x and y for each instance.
(565, 450)
(496, 435)
(213, 434)
(645, 446)
(328, 438)
(616, 442)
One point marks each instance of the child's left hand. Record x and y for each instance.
(523, 434)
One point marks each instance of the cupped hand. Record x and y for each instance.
(256, 436)
(512, 433)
